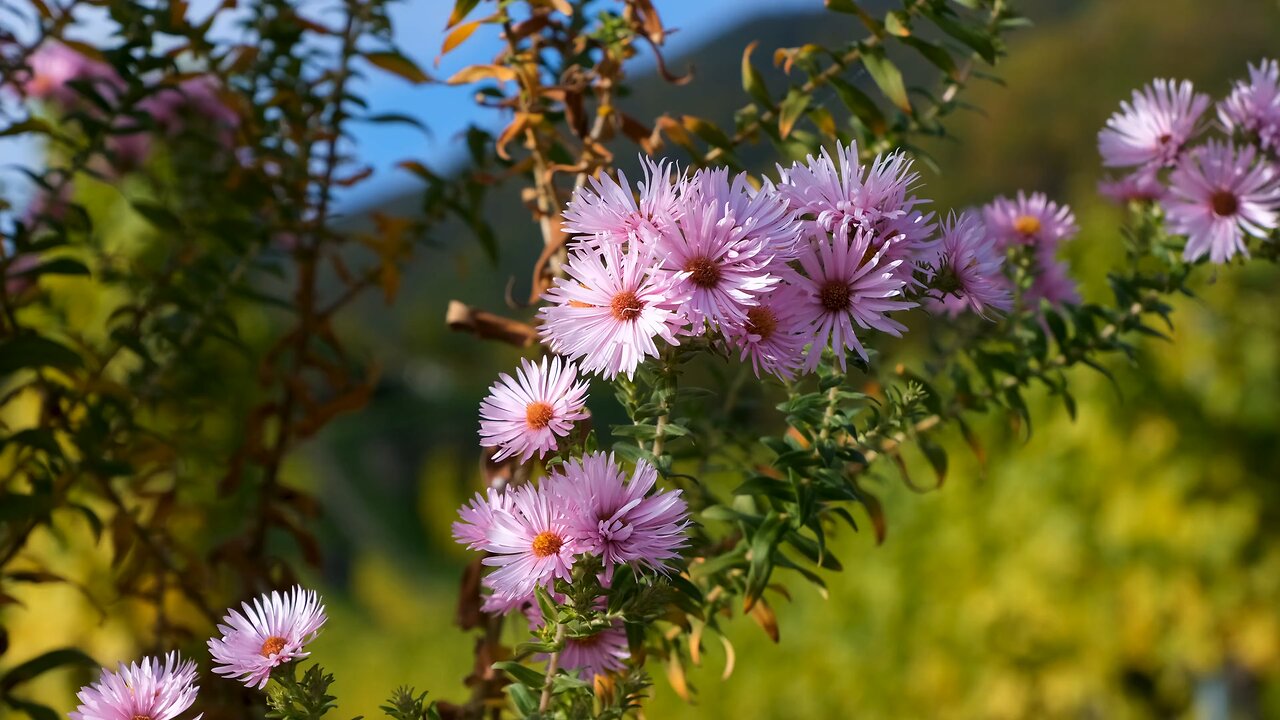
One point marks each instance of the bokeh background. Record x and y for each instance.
(1122, 565)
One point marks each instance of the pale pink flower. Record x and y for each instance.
(1052, 282)
(610, 310)
(1141, 185)
(477, 517)
(1220, 195)
(968, 266)
(773, 335)
(1253, 107)
(524, 415)
(149, 690)
(530, 542)
(846, 283)
(1153, 128)
(609, 210)
(1028, 220)
(270, 632)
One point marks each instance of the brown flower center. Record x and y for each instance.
(1224, 203)
(546, 544)
(588, 641)
(761, 321)
(141, 717)
(626, 306)
(834, 295)
(272, 645)
(703, 272)
(538, 414)
(1026, 225)
(1166, 137)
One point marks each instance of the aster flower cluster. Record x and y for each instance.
(269, 633)
(1218, 193)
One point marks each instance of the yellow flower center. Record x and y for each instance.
(546, 544)
(272, 645)
(538, 414)
(1027, 225)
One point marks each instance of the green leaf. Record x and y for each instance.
(56, 266)
(860, 104)
(887, 77)
(973, 37)
(791, 109)
(898, 23)
(161, 217)
(752, 80)
(399, 65)
(42, 664)
(31, 351)
(521, 674)
(763, 544)
(35, 711)
(934, 54)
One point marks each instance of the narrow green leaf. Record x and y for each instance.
(887, 77)
(399, 65)
(791, 109)
(32, 351)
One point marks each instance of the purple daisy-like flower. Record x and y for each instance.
(830, 193)
(710, 263)
(607, 313)
(968, 266)
(617, 520)
(54, 65)
(530, 541)
(147, 690)
(1154, 127)
(477, 517)
(1141, 185)
(270, 632)
(609, 210)
(524, 415)
(846, 282)
(761, 217)
(773, 335)
(1219, 196)
(1254, 105)
(1028, 220)
(604, 652)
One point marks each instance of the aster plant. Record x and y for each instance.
(751, 339)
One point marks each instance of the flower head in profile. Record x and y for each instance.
(524, 415)
(1219, 196)
(610, 211)
(270, 632)
(1028, 220)
(616, 519)
(1142, 185)
(846, 282)
(1154, 127)
(610, 310)
(773, 335)
(968, 266)
(834, 193)
(527, 535)
(147, 690)
(1253, 107)
(1052, 282)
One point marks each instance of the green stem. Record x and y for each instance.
(553, 666)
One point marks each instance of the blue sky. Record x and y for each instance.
(447, 111)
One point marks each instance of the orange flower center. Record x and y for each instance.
(588, 641)
(141, 717)
(272, 645)
(761, 321)
(1224, 203)
(546, 544)
(1027, 225)
(834, 295)
(538, 414)
(703, 272)
(626, 306)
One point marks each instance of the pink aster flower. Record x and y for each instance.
(607, 313)
(524, 415)
(1052, 282)
(271, 632)
(1154, 127)
(760, 216)
(1033, 220)
(54, 65)
(149, 690)
(609, 210)
(710, 263)
(529, 540)
(1220, 195)
(830, 193)
(198, 99)
(773, 335)
(1142, 185)
(617, 520)
(969, 267)
(477, 517)
(1254, 107)
(604, 652)
(846, 282)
